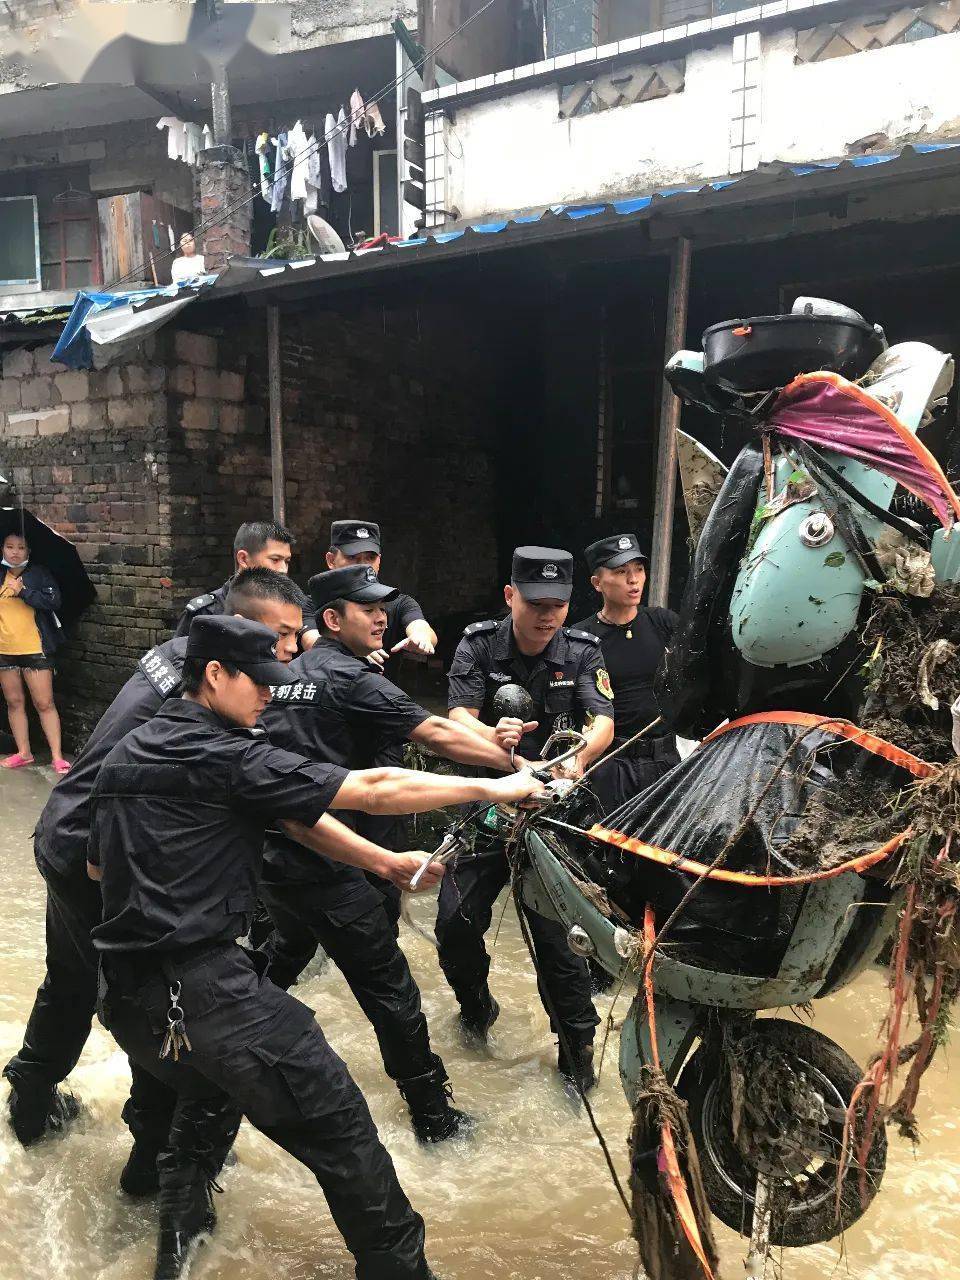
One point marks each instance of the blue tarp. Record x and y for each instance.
(74, 348)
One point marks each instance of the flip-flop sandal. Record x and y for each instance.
(61, 766)
(16, 761)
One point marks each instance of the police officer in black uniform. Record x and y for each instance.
(180, 806)
(407, 632)
(634, 638)
(258, 544)
(562, 670)
(60, 1021)
(345, 712)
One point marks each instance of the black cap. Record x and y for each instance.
(542, 573)
(353, 582)
(612, 552)
(353, 536)
(248, 645)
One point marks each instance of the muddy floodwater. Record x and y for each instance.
(528, 1196)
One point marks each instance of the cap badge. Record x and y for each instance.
(624, 544)
(362, 532)
(273, 650)
(371, 576)
(549, 571)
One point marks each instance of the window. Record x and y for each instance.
(69, 250)
(19, 253)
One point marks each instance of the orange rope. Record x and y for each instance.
(675, 1180)
(842, 728)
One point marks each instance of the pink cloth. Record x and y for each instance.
(840, 417)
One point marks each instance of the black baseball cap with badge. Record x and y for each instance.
(357, 582)
(353, 536)
(249, 646)
(542, 573)
(612, 552)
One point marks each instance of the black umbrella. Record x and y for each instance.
(58, 555)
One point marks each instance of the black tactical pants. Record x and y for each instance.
(63, 1010)
(359, 938)
(467, 895)
(264, 1049)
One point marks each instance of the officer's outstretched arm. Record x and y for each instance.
(339, 842)
(457, 742)
(410, 791)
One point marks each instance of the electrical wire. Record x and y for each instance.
(317, 145)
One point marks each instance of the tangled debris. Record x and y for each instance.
(913, 673)
(855, 816)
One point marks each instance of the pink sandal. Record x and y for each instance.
(61, 766)
(16, 761)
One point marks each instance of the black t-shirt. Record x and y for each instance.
(567, 682)
(632, 653)
(342, 711)
(180, 809)
(63, 831)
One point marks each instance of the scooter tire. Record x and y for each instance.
(809, 1217)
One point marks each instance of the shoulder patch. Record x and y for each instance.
(575, 634)
(603, 684)
(160, 672)
(200, 602)
(476, 628)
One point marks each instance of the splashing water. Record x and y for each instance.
(527, 1198)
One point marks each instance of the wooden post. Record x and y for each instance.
(276, 414)
(678, 294)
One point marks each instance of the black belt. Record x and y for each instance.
(648, 748)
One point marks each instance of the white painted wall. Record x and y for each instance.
(513, 153)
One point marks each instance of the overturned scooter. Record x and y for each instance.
(762, 871)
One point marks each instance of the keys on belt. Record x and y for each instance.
(176, 1040)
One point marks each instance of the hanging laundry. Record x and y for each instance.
(315, 184)
(374, 121)
(266, 169)
(176, 136)
(357, 113)
(207, 137)
(336, 131)
(281, 172)
(193, 143)
(173, 239)
(297, 146)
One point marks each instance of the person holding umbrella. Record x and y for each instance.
(29, 635)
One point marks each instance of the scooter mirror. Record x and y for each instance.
(513, 700)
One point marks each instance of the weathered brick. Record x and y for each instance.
(18, 363)
(181, 380)
(208, 383)
(195, 348)
(199, 415)
(38, 393)
(20, 424)
(55, 422)
(9, 393)
(72, 386)
(231, 386)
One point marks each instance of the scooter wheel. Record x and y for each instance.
(804, 1205)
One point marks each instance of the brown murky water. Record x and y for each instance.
(527, 1199)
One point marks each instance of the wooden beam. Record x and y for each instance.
(675, 332)
(276, 414)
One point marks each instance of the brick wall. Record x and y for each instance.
(87, 455)
(388, 415)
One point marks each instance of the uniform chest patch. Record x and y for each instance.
(603, 684)
(499, 676)
(294, 692)
(561, 683)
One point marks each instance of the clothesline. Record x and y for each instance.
(292, 161)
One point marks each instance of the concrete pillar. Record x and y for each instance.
(225, 205)
(572, 25)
